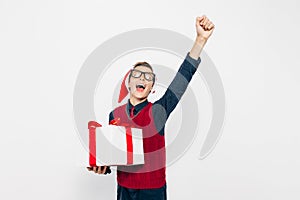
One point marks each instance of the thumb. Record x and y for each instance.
(89, 168)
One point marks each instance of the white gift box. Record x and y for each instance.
(115, 145)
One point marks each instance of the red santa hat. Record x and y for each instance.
(123, 89)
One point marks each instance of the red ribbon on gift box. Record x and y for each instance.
(128, 138)
(92, 125)
(129, 146)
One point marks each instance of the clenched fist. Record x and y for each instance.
(204, 27)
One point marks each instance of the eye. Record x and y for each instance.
(149, 76)
(136, 74)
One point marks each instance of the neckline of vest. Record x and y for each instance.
(128, 114)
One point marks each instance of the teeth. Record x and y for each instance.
(140, 86)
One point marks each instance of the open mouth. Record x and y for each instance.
(140, 87)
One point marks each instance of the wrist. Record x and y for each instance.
(201, 40)
(199, 43)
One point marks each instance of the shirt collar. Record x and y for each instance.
(137, 107)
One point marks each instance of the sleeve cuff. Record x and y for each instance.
(192, 61)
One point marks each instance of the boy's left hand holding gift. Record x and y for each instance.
(100, 169)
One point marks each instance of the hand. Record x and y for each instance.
(100, 169)
(204, 27)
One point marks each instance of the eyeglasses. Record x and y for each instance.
(149, 76)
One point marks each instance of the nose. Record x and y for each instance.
(142, 77)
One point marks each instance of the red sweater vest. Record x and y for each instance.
(152, 174)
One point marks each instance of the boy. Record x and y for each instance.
(148, 181)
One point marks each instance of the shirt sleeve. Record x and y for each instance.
(163, 107)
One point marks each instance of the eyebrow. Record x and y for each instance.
(143, 71)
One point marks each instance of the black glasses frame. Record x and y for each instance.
(143, 74)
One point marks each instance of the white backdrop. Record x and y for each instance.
(44, 43)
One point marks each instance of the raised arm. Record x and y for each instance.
(163, 107)
(204, 29)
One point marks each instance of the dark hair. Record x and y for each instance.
(145, 64)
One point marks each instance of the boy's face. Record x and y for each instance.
(140, 87)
